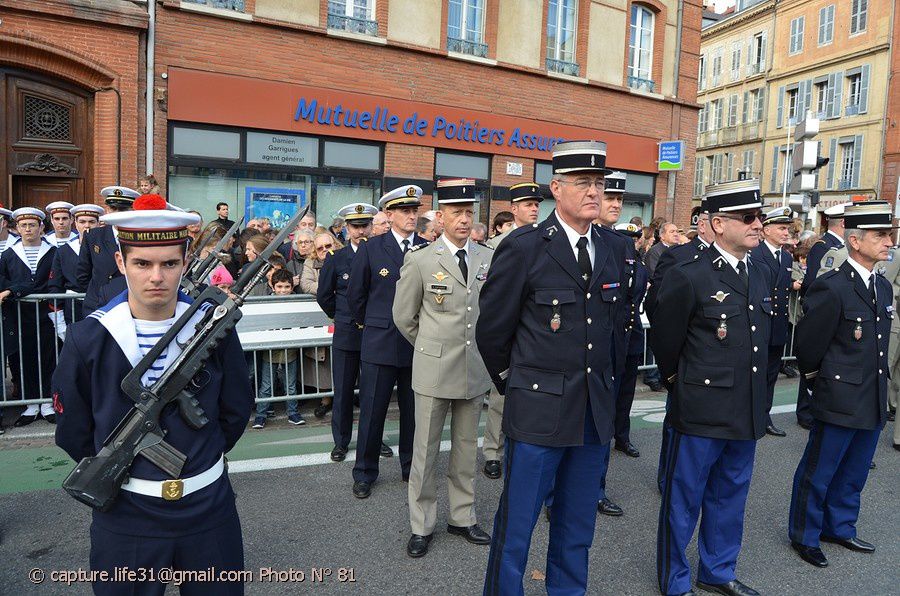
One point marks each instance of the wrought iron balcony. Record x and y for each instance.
(353, 25)
(562, 67)
(464, 46)
(641, 84)
(236, 5)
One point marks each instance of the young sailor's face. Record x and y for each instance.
(153, 274)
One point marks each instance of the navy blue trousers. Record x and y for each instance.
(220, 547)
(625, 398)
(772, 369)
(663, 450)
(712, 476)
(344, 372)
(376, 384)
(532, 471)
(828, 482)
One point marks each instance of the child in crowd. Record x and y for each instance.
(279, 362)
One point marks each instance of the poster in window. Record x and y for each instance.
(277, 204)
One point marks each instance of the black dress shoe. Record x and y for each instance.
(789, 371)
(628, 449)
(492, 469)
(860, 546)
(386, 451)
(321, 410)
(775, 431)
(472, 534)
(362, 490)
(547, 513)
(732, 588)
(607, 507)
(656, 386)
(24, 420)
(418, 546)
(338, 453)
(896, 446)
(51, 418)
(811, 554)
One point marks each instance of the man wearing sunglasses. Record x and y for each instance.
(711, 336)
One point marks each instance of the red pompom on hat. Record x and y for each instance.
(150, 203)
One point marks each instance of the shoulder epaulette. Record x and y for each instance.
(416, 247)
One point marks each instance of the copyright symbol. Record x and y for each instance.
(37, 575)
(165, 575)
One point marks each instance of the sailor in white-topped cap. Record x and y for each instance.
(6, 235)
(64, 277)
(155, 522)
(119, 198)
(25, 269)
(61, 219)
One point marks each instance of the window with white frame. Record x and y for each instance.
(797, 26)
(759, 52)
(640, 47)
(792, 97)
(717, 68)
(821, 98)
(854, 87)
(859, 13)
(826, 25)
(465, 27)
(747, 166)
(701, 119)
(735, 60)
(732, 110)
(701, 74)
(847, 152)
(561, 24)
(355, 16)
(698, 176)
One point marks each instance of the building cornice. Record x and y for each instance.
(851, 57)
(738, 19)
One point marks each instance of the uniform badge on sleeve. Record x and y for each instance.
(384, 272)
(829, 261)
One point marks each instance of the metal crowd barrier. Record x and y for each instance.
(272, 328)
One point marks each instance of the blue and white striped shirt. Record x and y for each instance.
(148, 333)
(31, 253)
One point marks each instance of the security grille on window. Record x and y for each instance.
(561, 24)
(465, 27)
(46, 120)
(640, 47)
(355, 16)
(797, 26)
(826, 25)
(859, 13)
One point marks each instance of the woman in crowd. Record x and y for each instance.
(302, 248)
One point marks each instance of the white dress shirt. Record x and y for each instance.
(573, 237)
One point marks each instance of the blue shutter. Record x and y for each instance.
(857, 159)
(838, 91)
(864, 89)
(832, 158)
(774, 183)
(780, 117)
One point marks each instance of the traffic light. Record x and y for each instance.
(805, 157)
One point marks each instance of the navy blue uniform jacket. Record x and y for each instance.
(814, 259)
(98, 352)
(720, 388)
(671, 257)
(65, 265)
(16, 277)
(373, 280)
(96, 264)
(334, 279)
(780, 276)
(549, 376)
(850, 387)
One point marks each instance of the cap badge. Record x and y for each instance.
(384, 272)
(440, 276)
(118, 192)
(720, 296)
(592, 160)
(411, 191)
(360, 208)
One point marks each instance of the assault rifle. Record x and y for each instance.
(198, 270)
(96, 481)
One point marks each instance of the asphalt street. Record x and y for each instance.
(301, 518)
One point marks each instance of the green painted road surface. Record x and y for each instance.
(30, 462)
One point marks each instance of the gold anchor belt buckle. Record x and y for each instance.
(172, 490)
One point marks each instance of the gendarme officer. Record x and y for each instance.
(711, 333)
(842, 351)
(551, 301)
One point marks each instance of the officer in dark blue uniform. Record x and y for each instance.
(334, 278)
(832, 238)
(27, 331)
(674, 256)
(554, 295)
(64, 277)
(155, 522)
(97, 258)
(711, 332)
(842, 343)
(385, 354)
(771, 254)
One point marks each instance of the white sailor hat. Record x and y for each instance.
(869, 215)
(456, 190)
(629, 229)
(6, 213)
(59, 207)
(87, 209)
(525, 191)
(28, 213)
(778, 215)
(358, 213)
(615, 183)
(152, 222)
(121, 196)
(837, 211)
(580, 156)
(740, 195)
(408, 195)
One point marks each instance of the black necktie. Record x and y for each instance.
(405, 244)
(461, 257)
(584, 260)
(778, 257)
(872, 288)
(742, 272)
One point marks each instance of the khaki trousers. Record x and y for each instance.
(493, 435)
(894, 382)
(431, 412)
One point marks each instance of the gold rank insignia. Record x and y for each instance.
(384, 272)
(439, 298)
(97, 248)
(720, 296)
(440, 276)
(172, 490)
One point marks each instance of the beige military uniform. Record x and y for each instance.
(436, 310)
(892, 274)
(832, 259)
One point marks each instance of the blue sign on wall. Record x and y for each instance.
(278, 204)
(671, 156)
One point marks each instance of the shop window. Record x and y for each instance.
(197, 142)
(466, 165)
(354, 156)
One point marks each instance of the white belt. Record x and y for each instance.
(172, 490)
